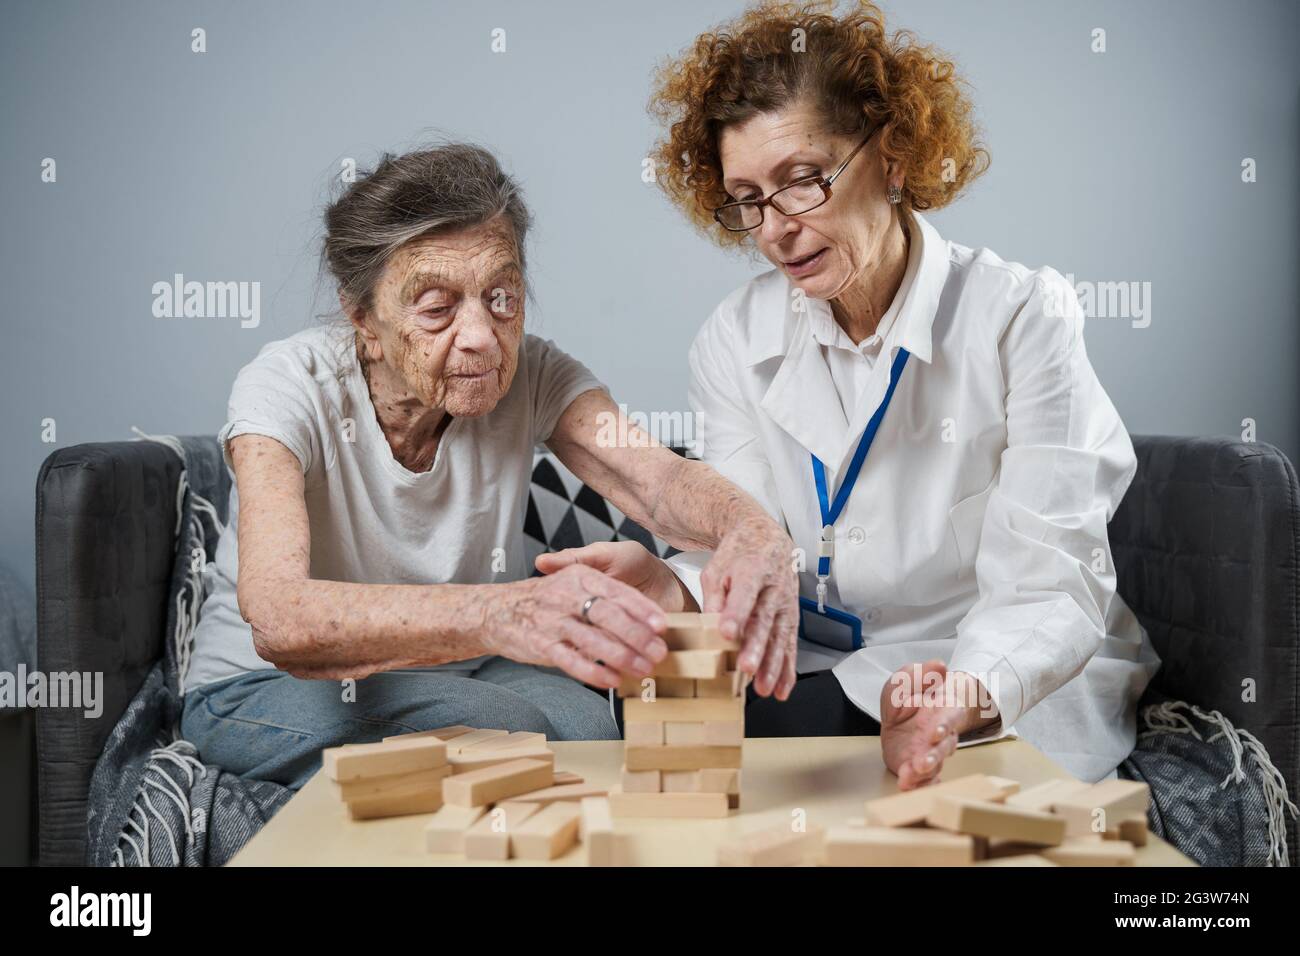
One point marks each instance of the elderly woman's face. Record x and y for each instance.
(449, 315)
(826, 250)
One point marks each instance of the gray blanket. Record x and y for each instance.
(153, 801)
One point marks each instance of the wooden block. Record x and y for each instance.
(1043, 796)
(465, 741)
(683, 733)
(642, 781)
(489, 838)
(644, 733)
(520, 739)
(724, 686)
(984, 819)
(395, 805)
(682, 709)
(566, 777)
(680, 781)
(897, 846)
(998, 848)
(724, 733)
(680, 758)
(442, 733)
(1134, 830)
(696, 665)
(647, 687)
(1089, 852)
(571, 792)
(548, 833)
(910, 807)
(383, 759)
(719, 780)
(394, 784)
(774, 846)
(446, 830)
(668, 804)
(1022, 859)
(604, 845)
(1106, 803)
(478, 759)
(695, 632)
(497, 782)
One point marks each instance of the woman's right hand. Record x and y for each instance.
(539, 621)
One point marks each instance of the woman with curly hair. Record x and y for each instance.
(922, 416)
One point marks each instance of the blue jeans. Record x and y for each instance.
(269, 725)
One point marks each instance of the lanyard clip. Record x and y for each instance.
(821, 593)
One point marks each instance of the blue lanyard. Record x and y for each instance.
(831, 510)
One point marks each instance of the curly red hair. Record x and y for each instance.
(857, 76)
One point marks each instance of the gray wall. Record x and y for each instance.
(1122, 166)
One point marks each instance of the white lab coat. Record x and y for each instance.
(976, 532)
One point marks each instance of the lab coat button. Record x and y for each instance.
(857, 535)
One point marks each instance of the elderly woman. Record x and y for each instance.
(381, 470)
(920, 415)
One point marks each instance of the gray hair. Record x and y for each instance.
(443, 189)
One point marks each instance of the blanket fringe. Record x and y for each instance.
(177, 753)
(1165, 719)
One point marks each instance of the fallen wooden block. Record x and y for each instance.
(548, 833)
(394, 784)
(604, 845)
(520, 739)
(683, 709)
(383, 759)
(696, 665)
(623, 804)
(446, 830)
(465, 741)
(489, 838)
(681, 758)
(774, 846)
(477, 759)
(566, 777)
(642, 781)
(497, 782)
(566, 792)
(984, 819)
(911, 807)
(395, 805)
(897, 846)
(1091, 852)
(1043, 796)
(442, 733)
(1103, 805)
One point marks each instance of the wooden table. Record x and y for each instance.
(827, 777)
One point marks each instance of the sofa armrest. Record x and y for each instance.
(105, 524)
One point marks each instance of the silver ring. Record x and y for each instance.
(586, 607)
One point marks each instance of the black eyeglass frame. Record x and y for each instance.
(824, 182)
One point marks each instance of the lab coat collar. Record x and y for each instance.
(802, 397)
(911, 327)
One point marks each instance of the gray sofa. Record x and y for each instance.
(1206, 543)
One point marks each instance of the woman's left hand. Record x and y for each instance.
(751, 582)
(924, 709)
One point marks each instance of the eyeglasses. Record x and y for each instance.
(801, 196)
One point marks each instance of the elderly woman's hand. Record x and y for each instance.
(629, 562)
(924, 709)
(540, 621)
(751, 582)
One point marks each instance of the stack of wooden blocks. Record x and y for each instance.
(684, 727)
(978, 819)
(494, 794)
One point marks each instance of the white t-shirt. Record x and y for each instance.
(373, 521)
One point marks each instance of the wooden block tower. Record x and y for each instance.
(684, 727)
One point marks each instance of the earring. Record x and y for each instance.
(894, 195)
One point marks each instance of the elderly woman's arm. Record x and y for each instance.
(749, 579)
(335, 629)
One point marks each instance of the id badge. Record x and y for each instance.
(832, 628)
